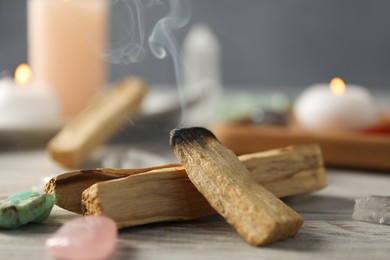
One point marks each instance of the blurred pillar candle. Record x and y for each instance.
(67, 40)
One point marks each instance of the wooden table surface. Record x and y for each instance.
(327, 233)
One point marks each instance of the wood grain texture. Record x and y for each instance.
(256, 214)
(160, 195)
(68, 187)
(289, 170)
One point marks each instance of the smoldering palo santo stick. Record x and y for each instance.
(256, 214)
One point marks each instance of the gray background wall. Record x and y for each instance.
(264, 42)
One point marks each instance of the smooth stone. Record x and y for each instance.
(89, 237)
(25, 207)
(374, 209)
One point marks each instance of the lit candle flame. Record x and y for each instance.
(337, 87)
(23, 74)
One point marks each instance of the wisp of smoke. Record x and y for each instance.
(132, 50)
(161, 40)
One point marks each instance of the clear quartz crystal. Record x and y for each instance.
(374, 209)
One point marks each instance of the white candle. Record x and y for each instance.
(331, 107)
(67, 42)
(25, 105)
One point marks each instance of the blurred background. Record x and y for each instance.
(264, 43)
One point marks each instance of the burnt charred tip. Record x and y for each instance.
(189, 135)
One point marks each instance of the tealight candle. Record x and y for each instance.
(25, 105)
(335, 107)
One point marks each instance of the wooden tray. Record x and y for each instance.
(350, 150)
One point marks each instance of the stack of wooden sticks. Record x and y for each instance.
(211, 179)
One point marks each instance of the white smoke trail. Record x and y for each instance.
(134, 38)
(162, 42)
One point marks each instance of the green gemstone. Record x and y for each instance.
(25, 207)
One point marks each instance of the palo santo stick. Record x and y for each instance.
(93, 126)
(285, 172)
(68, 187)
(256, 214)
(160, 195)
(168, 195)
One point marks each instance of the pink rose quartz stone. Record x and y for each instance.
(90, 237)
